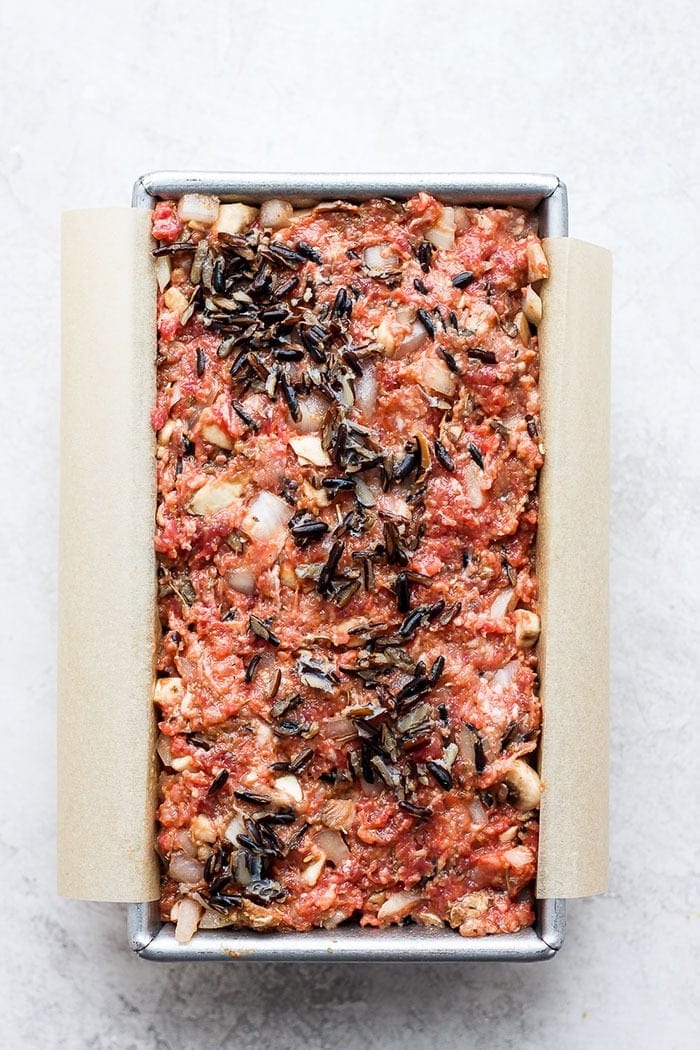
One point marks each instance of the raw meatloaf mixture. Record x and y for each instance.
(347, 458)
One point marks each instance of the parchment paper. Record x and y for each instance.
(106, 786)
(572, 551)
(107, 570)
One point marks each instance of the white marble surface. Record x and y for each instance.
(606, 95)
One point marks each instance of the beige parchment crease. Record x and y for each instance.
(106, 788)
(106, 785)
(572, 556)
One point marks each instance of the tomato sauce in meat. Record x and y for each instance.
(348, 447)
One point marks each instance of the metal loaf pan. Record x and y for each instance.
(148, 936)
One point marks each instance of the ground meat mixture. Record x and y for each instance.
(348, 447)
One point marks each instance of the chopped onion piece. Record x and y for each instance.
(379, 258)
(182, 840)
(211, 920)
(472, 479)
(288, 577)
(364, 493)
(333, 845)
(275, 214)
(527, 628)
(366, 391)
(235, 218)
(450, 754)
(266, 518)
(338, 814)
(312, 873)
(185, 869)
(334, 920)
(394, 505)
(461, 218)
(413, 341)
(168, 691)
(202, 829)
(340, 729)
(478, 813)
(467, 748)
(537, 265)
(435, 374)
(175, 300)
(521, 323)
(398, 904)
(504, 676)
(216, 495)
(532, 305)
(182, 763)
(198, 208)
(166, 432)
(442, 235)
(502, 603)
(188, 916)
(313, 412)
(163, 749)
(162, 268)
(235, 828)
(309, 449)
(215, 435)
(384, 335)
(518, 857)
(241, 580)
(289, 785)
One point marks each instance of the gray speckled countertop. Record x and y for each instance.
(605, 95)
